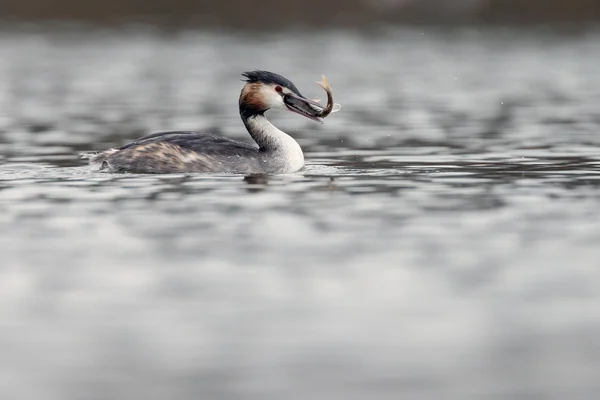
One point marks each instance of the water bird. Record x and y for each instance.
(274, 151)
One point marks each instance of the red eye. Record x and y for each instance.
(278, 89)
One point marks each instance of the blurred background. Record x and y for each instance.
(276, 14)
(441, 243)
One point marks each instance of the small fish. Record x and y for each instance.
(331, 106)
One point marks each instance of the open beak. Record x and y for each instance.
(303, 106)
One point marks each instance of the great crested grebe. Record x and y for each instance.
(274, 152)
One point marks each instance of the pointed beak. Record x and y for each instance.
(303, 106)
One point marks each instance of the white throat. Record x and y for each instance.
(274, 140)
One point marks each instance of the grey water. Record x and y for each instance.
(441, 243)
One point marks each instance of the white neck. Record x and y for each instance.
(271, 139)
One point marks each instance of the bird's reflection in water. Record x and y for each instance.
(331, 185)
(257, 182)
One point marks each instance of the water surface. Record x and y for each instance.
(442, 241)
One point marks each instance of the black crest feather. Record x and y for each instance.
(270, 78)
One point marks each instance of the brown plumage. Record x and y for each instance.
(252, 97)
(156, 157)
